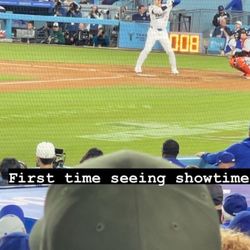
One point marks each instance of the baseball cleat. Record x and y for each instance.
(138, 70)
(175, 72)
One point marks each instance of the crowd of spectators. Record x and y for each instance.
(79, 34)
(230, 214)
(236, 156)
(223, 27)
(210, 221)
(104, 36)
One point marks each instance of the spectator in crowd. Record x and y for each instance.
(238, 26)
(142, 15)
(170, 150)
(31, 33)
(222, 14)
(101, 39)
(91, 153)
(12, 229)
(233, 240)
(59, 9)
(11, 220)
(234, 44)
(241, 223)
(95, 14)
(240, 150)
(222, 31)
(233, 204)
(44, 33)
(45, 155)
(83, 37)
(70, 37)
(127, 217)
(56, 36)
(216, 193)
(225, 160)
(5, 165)
(72, 28)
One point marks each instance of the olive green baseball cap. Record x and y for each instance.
(127, 217)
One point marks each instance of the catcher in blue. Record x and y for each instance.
(159, 16)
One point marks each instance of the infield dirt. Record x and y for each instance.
(64, 75)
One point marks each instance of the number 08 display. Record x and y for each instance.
(185, 42)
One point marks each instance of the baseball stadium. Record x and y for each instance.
(164, 83)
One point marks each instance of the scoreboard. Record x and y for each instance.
(186, 42)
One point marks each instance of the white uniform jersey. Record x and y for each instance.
(159, 18)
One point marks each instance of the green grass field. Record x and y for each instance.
(138, 118)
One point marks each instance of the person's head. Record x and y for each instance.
(243, 36)
(94, 9)
(6, 164)
(157, 2)
(238, 25)
(82, 26)
(91, 153)
(138, 217)
(170, 148)
(241, 222)
(30, 25)
(142, 9)
(45, 155)
(55, 26)
(233, 204)
(73, 6)
(221, 9)
(225, 160)
(232, 240)
(11, 220)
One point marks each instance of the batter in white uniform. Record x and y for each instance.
(159, 16)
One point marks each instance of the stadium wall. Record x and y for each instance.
(201, 4)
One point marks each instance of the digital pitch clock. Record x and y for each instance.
(186, 42)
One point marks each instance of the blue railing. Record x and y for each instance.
(28, 3)
(8, 17)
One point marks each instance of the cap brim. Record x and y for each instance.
(13, 210)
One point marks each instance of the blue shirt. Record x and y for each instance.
(240, 150)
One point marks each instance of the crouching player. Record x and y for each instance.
(241, 60)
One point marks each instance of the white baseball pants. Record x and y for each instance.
(154, 35)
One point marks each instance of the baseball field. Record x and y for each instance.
(79, 98)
